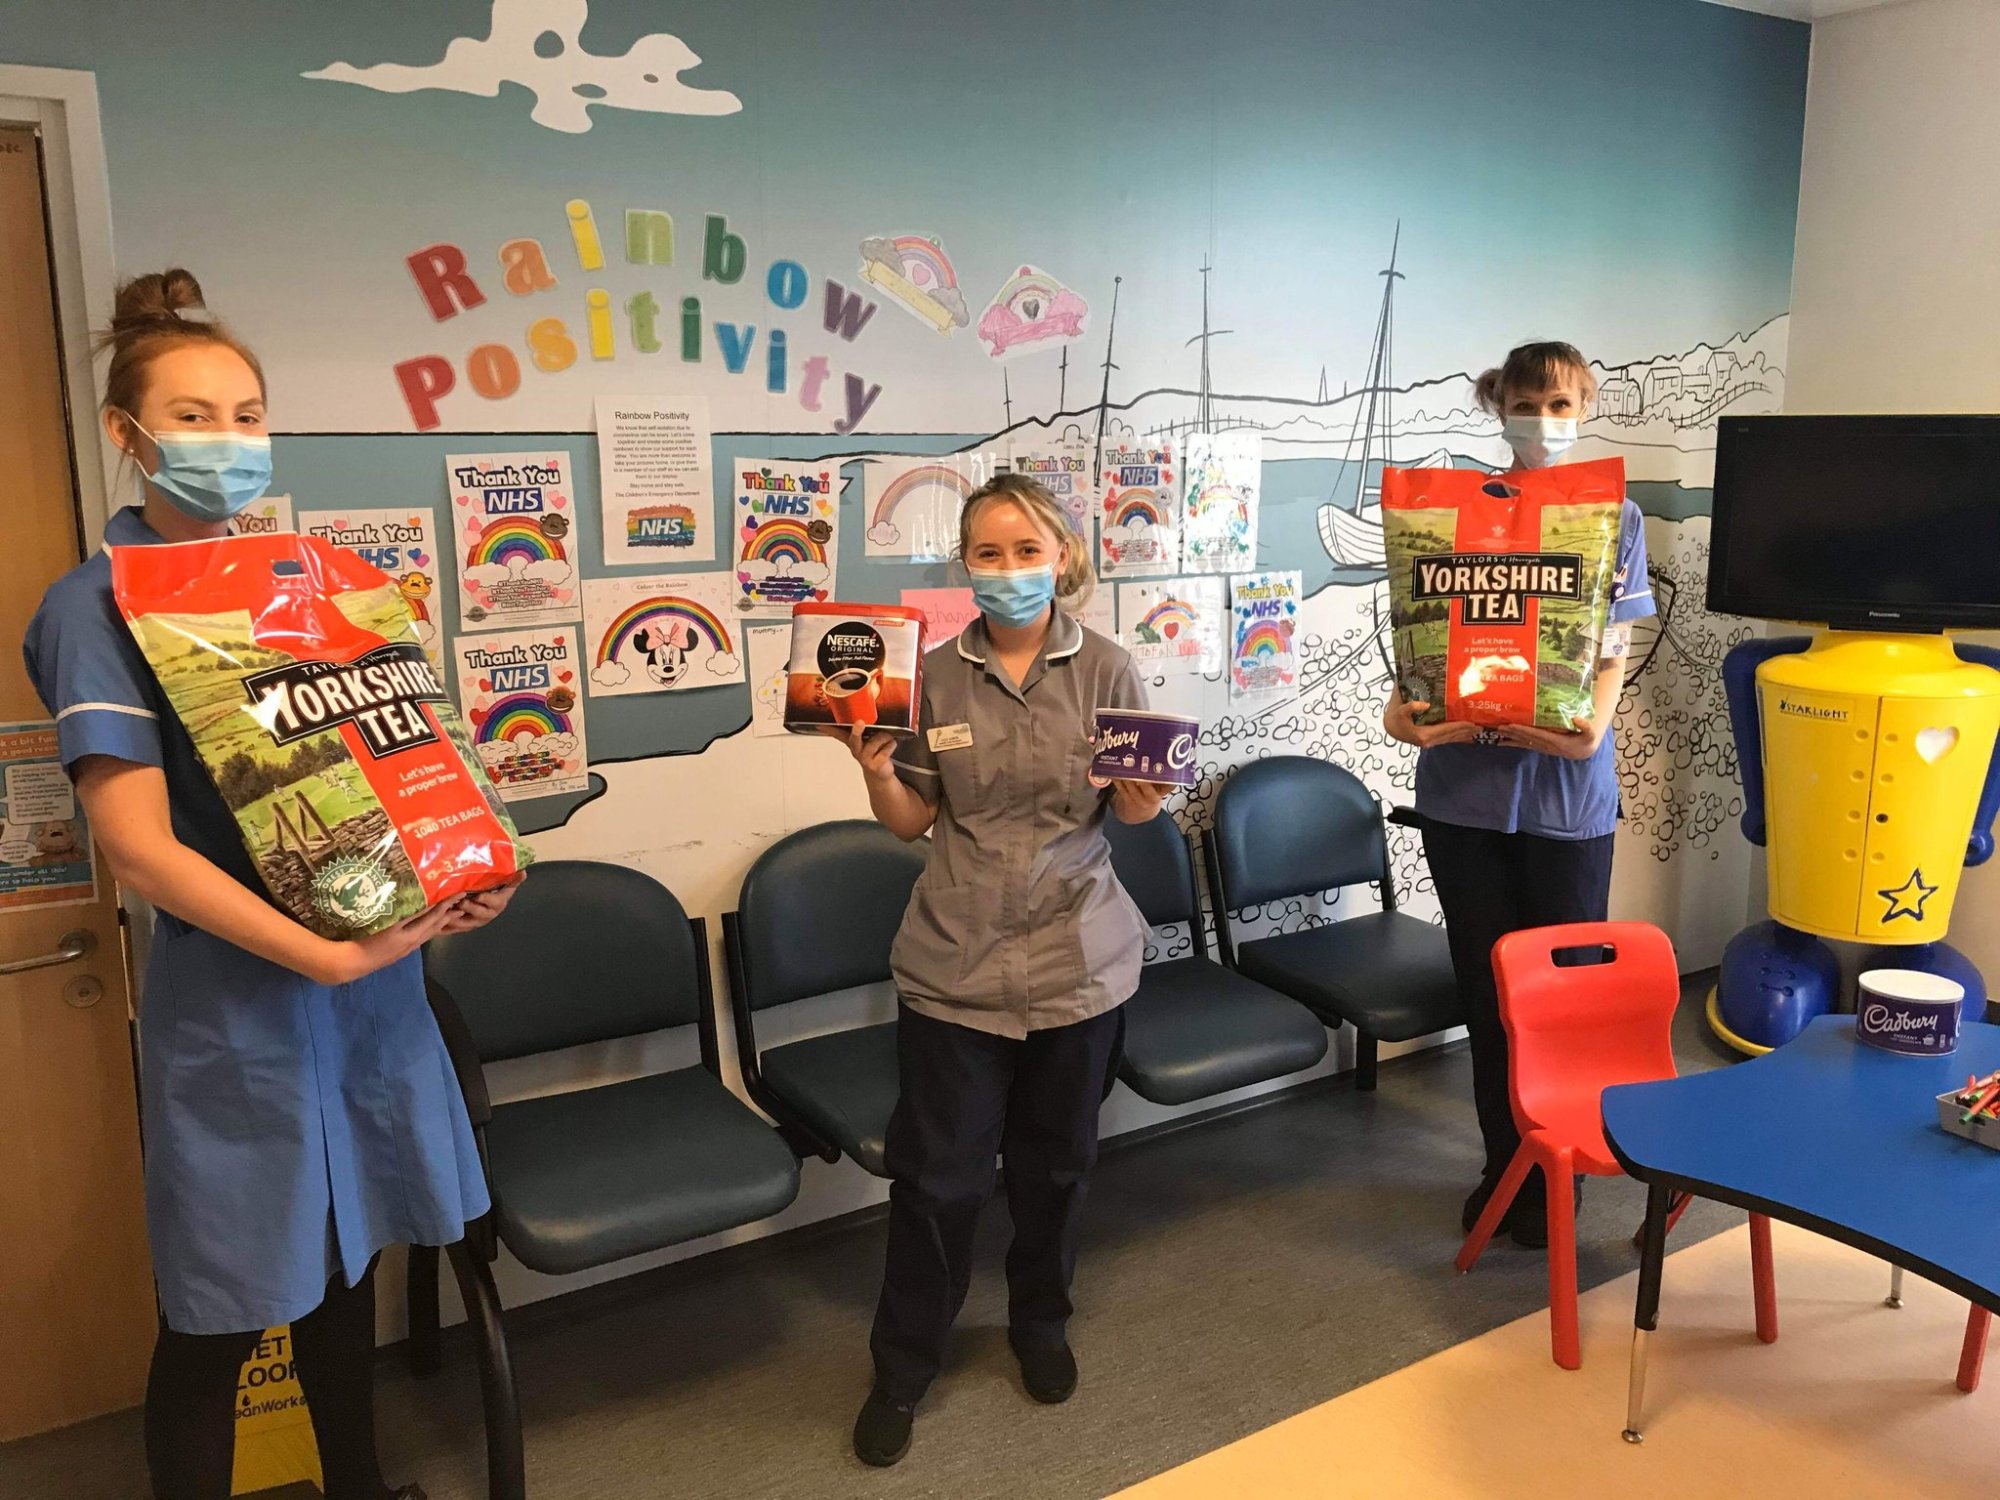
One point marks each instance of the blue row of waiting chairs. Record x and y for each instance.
(591, 952)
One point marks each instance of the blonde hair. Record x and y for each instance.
(1534, 368)
(1078, 579)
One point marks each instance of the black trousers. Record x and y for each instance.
(1490, 884)
(191, 1400)
(967, 1095)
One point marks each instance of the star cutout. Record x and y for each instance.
(1907, 899)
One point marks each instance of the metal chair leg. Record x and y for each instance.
(424, 1352)
(1366, 1062)
(506, 1465)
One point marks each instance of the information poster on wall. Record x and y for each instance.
(654, 479)
(787, 534)
(769, 651)
(1263, 652)
(667, 633)
(1139, 519)
(514, 521)
(402, 544)
(45, 857)
(1224, 472)
(913, 504)
(1175, 627)
(1063, 469)
(946, 612)
(522, 693)
(263, 517)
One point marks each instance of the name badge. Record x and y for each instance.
(951, 737)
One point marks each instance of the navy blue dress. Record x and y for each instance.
(292, 1128)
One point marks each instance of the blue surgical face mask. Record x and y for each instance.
(1014, 596)
(210, 475)
(1539, 441)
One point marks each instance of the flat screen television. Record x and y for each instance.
(1866, 523)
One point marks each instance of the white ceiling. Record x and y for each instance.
(1804, 10)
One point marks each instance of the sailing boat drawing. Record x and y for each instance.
(1350, 520)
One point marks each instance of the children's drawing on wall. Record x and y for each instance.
(913, 504)
(768, 649)
(1263, 649)
(1032, 311)
(263, 517)
(1224, 473)
(522, 693)
(403, 544)
(946, 612)
(917, 274)
(515, 526)
(1062, 467)
(538, 44)
(670, 633)
(655, 491)
(787, 533)
(1140, 513)
(1175, 627)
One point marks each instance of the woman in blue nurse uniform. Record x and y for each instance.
(300, 1111)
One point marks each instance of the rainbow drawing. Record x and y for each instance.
(1267, 639)
(783, 538)
(917, 273)
(899, 489)
(514, 537)
(661, 610)
(924, 262)
(1137, 505)
(522, 714)
(1170, 611)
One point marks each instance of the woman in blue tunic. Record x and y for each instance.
(300, 1110)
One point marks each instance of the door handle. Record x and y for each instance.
(75, 945)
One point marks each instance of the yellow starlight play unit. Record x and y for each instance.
(1867, 750)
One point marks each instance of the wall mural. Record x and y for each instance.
(901, 262)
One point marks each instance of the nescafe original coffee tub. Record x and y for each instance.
(854, 664)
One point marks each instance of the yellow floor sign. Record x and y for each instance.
(274, 1436)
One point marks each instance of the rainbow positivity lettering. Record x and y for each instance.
(938, 476)
(506, 540)
(660, 611)
(523, 714)
(783, 538)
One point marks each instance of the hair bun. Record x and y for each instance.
(148, 301)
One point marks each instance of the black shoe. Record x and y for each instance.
(1047, 1370)
(1528, 1221)
(882, 1431)
(1476, 1204)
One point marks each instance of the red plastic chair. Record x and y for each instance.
(1571, 1034)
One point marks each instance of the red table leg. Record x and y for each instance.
(1974, 1353)
(1762, 1282)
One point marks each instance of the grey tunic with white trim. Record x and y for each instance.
(1018, 923)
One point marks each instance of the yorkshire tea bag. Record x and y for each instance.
(295, 668)
(1499, 585)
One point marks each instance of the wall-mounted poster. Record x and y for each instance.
(522, 693)
(787, 534)
(263, 517)
(770, 656)
(402, 544)
(658, 501)
(1139, 520)
(667, 633)
(1264, 622)
(45, 854)
(1062, 467)
(913, 504)
(1175, 626)
(1224, 472)
(946, 612)
(515, 522)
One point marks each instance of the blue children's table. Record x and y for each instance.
(1837, 1137)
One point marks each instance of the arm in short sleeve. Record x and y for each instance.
(916, 762)
(1631, 589)
(89, 674)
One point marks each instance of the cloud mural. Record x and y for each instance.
(538, 44)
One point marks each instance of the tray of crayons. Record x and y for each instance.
(1973, 1111)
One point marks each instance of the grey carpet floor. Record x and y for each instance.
(1234, 1273)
